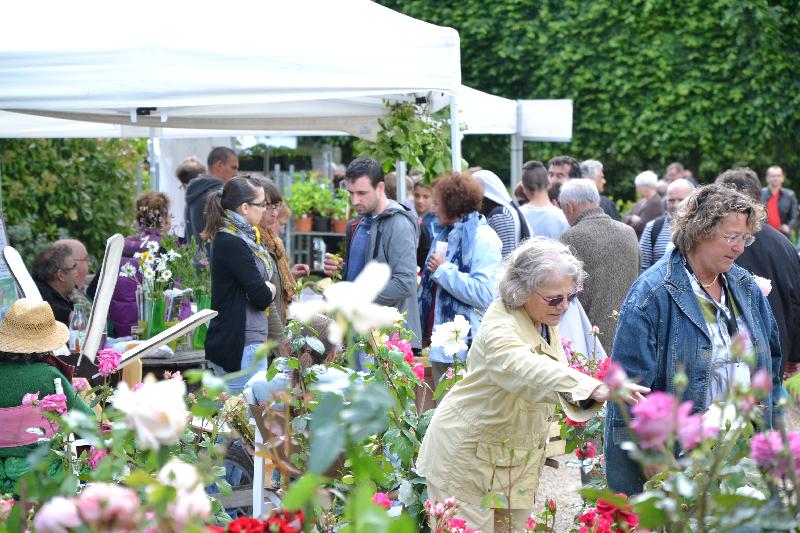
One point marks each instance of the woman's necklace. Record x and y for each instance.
(707, 286)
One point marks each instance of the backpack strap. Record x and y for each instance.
(658, 225)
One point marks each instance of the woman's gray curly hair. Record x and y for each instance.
(534, 263)
(703, 211)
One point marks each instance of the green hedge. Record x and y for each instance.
(712, 84)
(81, 188)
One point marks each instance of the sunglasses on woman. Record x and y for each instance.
(555, 301)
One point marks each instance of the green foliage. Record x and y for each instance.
(409, 133)
(341, 204)
(711, 84)
(312, 196)
(82, 188)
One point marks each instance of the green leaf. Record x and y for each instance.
(301, 491)
(326, 432)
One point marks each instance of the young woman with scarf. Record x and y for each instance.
(240, 288)
(462, 280)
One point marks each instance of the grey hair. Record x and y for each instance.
(49, 261)
(579, 191)
(648, 178)
(591, 168)
(534, 263)
(701, 213)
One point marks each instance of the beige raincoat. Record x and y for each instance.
(491, 429)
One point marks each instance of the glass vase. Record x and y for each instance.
(199, 333)
(156, 307)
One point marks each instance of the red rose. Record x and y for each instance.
(246, 524)
(551, 504)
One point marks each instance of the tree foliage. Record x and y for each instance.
(81, 188)
(711, 84)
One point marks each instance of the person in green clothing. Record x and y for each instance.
(28, 335)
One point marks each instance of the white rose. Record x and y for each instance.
(156, 411)
(190, 495)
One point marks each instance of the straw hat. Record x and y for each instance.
(30, 327)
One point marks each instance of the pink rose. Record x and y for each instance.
(382, 499)
(401, 345)
(94, 457)
(80, 384)
(692, 429)
(587, 451)
(109, 507)
(761, 381)
(31, 399)
(766, 450)
(449, 374)
(54, 402)
(58, 515)
(595, 330)
(614, 376)
(530, 523)
(764, 285)
(450, 502)
(419, 370)
(108, 360)
(457, 524)
(654, 419)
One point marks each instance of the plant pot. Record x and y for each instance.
(155, 316)
(199, 334)
(302, 224)
(339, 226)
(321, 223)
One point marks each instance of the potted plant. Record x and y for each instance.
(302, 203)
(323, 200)
(340, 210)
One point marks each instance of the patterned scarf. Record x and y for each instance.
(460, 239)
(275, 245)
(235, 224)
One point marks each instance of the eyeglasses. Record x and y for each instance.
(262, 205)
(735, 239)
(557, 300)
(70, 269)
(275, 207)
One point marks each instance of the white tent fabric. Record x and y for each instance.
(270, 67)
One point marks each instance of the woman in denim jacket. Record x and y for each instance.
(684, 313)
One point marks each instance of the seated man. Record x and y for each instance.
(55, 272)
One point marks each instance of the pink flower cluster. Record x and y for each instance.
(657, 417)
(768, 451)
(95, 456)
(401, 345)
(56, 403)
(442, 519)
(100, 507)
(108, 360)
(587, 451)
(419, 370)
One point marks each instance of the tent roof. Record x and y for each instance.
(196, 63)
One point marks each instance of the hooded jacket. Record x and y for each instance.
(393, 240)
(196, 193)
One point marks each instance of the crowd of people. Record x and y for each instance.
(678, 266)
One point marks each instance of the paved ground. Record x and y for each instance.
(562, 485)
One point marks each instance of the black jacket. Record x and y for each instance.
(787, 205)
(196, 193)
(234, 281)
(61, 305)
(772, 256)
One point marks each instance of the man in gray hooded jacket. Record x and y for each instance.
(383, 231)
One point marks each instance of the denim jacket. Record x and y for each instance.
(477, 288)
(661, 329)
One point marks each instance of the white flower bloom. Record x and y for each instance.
(152, 247)
(750, 492)
(720, 415)
(190, 495)
(148, 273)
(156, 411)
(764, 284)
(165, 276)
(450, 335)
(127, 271)
(172, 255)
(352, 302)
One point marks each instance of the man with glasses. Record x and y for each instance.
(81, 255)
(609, 251)
(657, 233)
(55, 272)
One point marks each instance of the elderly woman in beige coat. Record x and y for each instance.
(490, 432)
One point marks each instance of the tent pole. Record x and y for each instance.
(516, 150)
(401, 168)
(455, 136)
